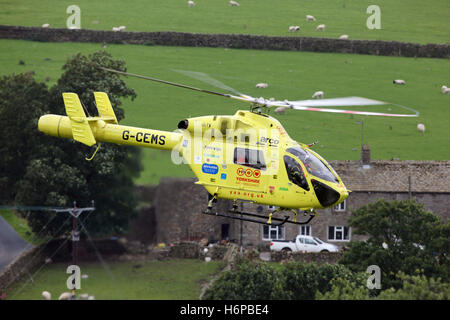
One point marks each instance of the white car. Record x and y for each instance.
(303, 243)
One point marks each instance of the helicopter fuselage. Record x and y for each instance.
(246, 156)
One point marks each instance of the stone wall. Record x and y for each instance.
(59, 250)
(21, 266)
(309, 257)
(237, 41)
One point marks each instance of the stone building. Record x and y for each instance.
(178, 204)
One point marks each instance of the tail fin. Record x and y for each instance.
(104, 107)
(81, 130)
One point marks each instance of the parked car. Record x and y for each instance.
(303, 243)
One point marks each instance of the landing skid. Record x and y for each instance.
(261, 219)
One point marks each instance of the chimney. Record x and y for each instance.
(365, 155)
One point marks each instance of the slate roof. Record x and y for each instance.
(392, 176)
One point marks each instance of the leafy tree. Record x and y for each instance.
(403, 236)
(413, 287)
(417, 287)
(344, 289)
(292, 281)
(54, 171)
(249, 281)
(22, 102)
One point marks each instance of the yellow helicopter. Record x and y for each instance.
(247, 156)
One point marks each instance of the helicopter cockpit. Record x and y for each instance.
(313, 164)
(316, 168)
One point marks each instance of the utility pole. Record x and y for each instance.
(75, 212)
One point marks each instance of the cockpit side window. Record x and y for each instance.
(295, 172)
(313, 164)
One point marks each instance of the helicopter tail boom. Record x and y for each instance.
(92, 130)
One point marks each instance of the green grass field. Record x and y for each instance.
(21, 226)
(175, 279)
(290, 75)
(411, 21)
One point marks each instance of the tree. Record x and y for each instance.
(22, 101)
(248, 281)
(403, 236)
(54, 171)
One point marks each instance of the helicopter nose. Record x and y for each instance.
(327, 195)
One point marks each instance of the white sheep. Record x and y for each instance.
(344, 37)
(91, 298)
(399, 81)
(318, 94)
(191, 3)
(234, 4)
(262, 85)
(310, 18)
(445, 90)
(83, 296)
(46, 295)
(122, 28)
(46, 25)
(421, 128)
(65, 296)
(294, 28)
(115, 29)
(280, 110)
(320, 27)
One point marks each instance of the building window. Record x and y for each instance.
(338, 233)
(341, 207)
(305, 230)
(273, 232)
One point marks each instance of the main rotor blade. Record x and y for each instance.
(336, 102)
(166, 82)
(206, 78)
(307, 105)
(364, 113)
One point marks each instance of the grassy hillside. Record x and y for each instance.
(411, 21)
(290, 75)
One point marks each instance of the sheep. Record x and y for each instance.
(91, 298)
(65, 296)
(344, 37)
(115, 29)
(280, 110)
(46, 25)
(399, 81)
(122, 28)
(191, 3)
(421, 128)
(445, 90)
(320, 27)
(46, 295)
(84, 296)
(310, 18)
(318, 94)
(294, 28)
(234, 4)
(262, 85)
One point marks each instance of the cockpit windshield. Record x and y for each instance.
(313, 165)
